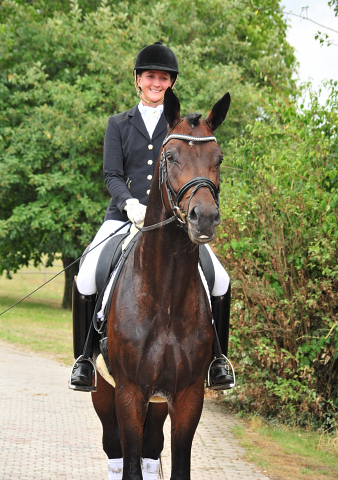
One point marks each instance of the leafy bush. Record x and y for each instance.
(279, 243)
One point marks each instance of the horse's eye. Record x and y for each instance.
(170, 158)
(220, 159)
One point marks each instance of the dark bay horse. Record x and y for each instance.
(160, 323)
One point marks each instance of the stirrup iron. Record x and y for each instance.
(226, 386)
(83, 388)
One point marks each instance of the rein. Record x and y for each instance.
(156, 225)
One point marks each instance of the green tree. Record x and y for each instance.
(63, 74)
(47, 8)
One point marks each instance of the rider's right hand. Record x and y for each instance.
(135, 210)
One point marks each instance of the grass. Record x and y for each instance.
(285, 453)
(38, 324)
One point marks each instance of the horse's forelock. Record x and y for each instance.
(193, 119)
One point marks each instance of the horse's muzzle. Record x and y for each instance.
(202, 221)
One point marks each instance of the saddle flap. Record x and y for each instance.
(108, 258)
(207, 267)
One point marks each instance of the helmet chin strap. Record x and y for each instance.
(140, 95)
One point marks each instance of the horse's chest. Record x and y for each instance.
(160, 331)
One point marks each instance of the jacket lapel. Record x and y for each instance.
(161, 125)
(137, 121)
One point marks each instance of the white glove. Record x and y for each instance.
(135, 210)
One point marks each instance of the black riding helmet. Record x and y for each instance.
(155, 57)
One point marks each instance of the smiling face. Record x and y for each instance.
(153, 84)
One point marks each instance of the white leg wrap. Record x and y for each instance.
(150, 468)
(115, 468)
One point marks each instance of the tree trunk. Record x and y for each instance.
(69, 278)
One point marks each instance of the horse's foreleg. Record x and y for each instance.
(185, 414)
(153, 437)
(153, 440)
(131, 409)
(104, 404)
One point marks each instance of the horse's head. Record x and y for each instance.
(189, 169)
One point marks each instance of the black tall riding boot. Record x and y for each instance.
(83, 368)
(220, 377)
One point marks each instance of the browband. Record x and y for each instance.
(179, 136)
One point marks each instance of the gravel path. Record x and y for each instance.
(51, 432)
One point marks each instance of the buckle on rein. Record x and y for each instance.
(181, 216)
(229, 385)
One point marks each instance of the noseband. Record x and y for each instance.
(174, 198)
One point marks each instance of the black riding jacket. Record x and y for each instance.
(130, 159)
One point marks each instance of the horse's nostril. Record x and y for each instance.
(217, 218)
(193, 215)
(201, 221)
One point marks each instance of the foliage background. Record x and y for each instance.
(65, 67)
(279, 242)
(64, 72)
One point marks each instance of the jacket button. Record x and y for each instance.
(150, 146)
(148, 191)
(149, 177)
(150, 162)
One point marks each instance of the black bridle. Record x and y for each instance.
(174, 198)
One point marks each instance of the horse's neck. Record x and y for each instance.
(167, 252)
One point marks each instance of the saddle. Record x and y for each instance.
(112, 257)
(109, 256)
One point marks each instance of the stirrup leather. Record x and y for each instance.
(83, 388)
(226, 386)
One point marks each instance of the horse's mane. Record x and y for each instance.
(194, 119)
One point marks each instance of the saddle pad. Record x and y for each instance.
(132, 232)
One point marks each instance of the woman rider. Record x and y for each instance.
(131, 148)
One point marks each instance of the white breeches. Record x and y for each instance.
(86, 277)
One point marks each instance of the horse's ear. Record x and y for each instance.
(219, 112)
(171, 108)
